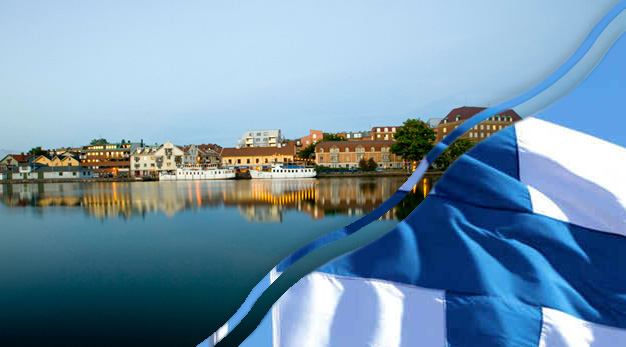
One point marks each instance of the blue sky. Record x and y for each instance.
(198, 72)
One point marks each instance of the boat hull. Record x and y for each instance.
(195, 175)
(281, 175)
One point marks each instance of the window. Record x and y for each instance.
(487, 126)
(321, 150)
(321, 159)
(265, 160)
(393, 130)
(386, 129)
(482, 134)
(458, 118)
(445, 130)
(257, 160)
(378, 130)
(238, 161)
(347, 149)
(258, 134)
(247, 161)
(314, 136)
(471, 134)
(251, 134)
(347, 136)
(265, 133)
(482, 127)
(378, 136)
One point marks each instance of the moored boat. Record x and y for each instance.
(278, 171)
(196, 172)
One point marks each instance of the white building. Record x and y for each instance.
(261, 138)
(142, 161)
(33, 171)
(168, 158)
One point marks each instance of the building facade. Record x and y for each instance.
(32, 171)
(261, 138)
(356, 136)
(168, 158)
(348, 154)
(313, 137)
(111, 159)
(67, 160)
(383, 132)
(480, 131)
(142, 161)
(246, 158)
(195, 155)
(13, 160)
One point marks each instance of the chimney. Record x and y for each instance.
(142, 143)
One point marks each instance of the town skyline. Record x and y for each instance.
(206, 72)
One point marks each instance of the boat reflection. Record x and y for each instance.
(256, 200)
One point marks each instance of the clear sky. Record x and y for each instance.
(199, 72)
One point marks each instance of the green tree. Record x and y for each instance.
(37, 151)
(371, 164)
(333, 137)
(452, 153)
(414, 139)
(98, 142)
(306, 152)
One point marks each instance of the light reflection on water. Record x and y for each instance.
(256, 200)
(158, 263)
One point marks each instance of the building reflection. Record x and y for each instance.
(256, 200)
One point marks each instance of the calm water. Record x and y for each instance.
(158, 263)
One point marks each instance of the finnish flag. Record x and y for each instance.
(521, 243)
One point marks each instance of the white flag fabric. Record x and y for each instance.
(521, 243)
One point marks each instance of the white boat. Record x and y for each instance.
(197, 172)
(281, 171)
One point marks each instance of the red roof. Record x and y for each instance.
(466, 112)
(20, 158)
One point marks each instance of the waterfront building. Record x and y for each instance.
(13, 160)
(143, 162)
(195, 155)
(356, 136)
(31, 171)
(384, 132)
(63, 160)
(108, 159)
(348, 154)
(480, 131)
(246, 158)
(168, 158)
(261, 138)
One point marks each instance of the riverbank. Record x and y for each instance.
(69, 180)
(373, 174)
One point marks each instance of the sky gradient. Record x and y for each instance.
(206, 72)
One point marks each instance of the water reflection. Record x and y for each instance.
(256, 200)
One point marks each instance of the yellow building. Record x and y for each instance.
(57, 160)
(247, 157)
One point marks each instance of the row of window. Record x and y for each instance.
(393, 130)
(358, 149)
(482, 127)
(258, 161)
(496, 118)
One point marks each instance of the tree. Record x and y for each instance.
(363, 164)
(371, 164)
(98, 142)
(306, 152)
(414, 139)
(37, 151)
(333, 137)
(452, 153)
